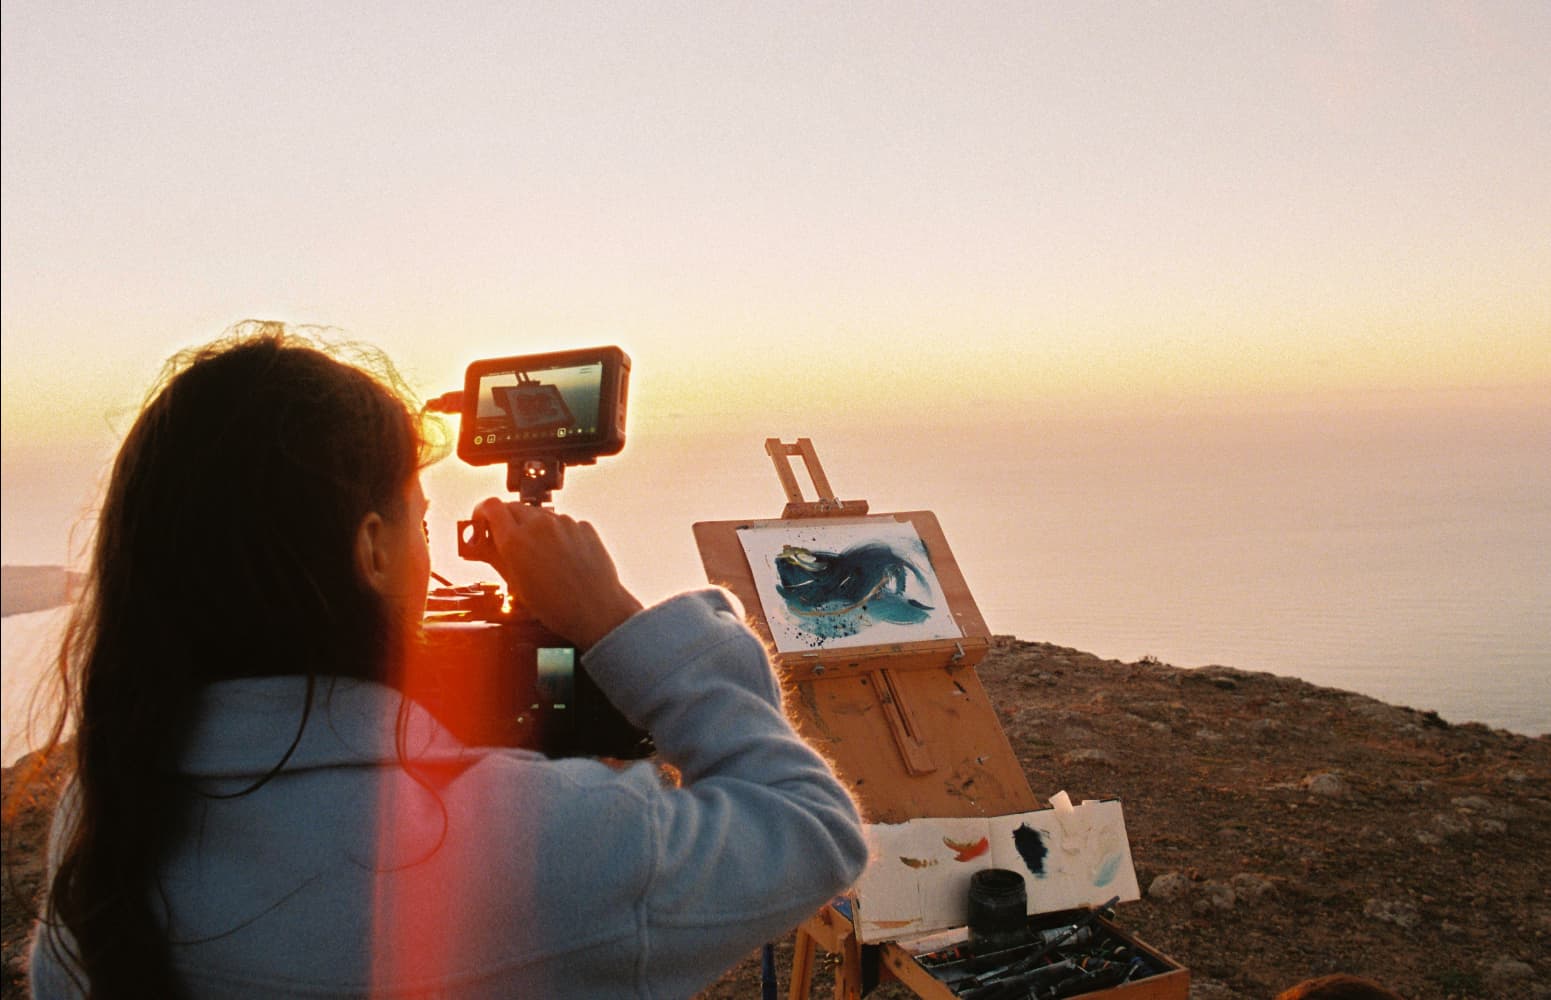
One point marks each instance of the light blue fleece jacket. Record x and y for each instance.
(496, 872)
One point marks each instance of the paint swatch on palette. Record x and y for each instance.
(918, 879)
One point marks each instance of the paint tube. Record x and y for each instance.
(1069, 936)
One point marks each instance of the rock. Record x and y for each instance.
(1266, 728)
(1250, 887)
(1472, 803)
(1327, 785)
(1222, 678)
(1218, 895)
(1393, 911)
(1510, 970)
(1491, 826)
(1088, 755)
(1168, 887)
(1480, 805)
(1451, 826)
(1378, 711)
(1158, 711)
(1211, 989)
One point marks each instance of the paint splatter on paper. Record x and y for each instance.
(968, 850)
(1105, 873)
(1031, 848)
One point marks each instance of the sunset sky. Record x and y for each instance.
(936, 211)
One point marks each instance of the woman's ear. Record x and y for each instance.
(373, 556)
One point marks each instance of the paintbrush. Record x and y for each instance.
(1024, 964)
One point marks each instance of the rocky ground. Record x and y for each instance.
(1279, 830)
(1282, 830)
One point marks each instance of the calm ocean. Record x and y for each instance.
(1402, 552)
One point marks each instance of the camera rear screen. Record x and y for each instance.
(556, 682)
(523, 409)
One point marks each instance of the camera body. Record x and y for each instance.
(487, 670)
(495, 678)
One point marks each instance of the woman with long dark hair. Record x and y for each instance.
(257, 810)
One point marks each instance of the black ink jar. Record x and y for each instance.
(998, 903)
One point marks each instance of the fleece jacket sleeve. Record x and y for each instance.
(761, 833)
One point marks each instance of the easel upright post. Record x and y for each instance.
(825, 505)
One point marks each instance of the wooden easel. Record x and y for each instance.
(908, 726)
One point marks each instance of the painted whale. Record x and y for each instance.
(835, 594)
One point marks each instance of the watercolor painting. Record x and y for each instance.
(918, 878)
(853, 584)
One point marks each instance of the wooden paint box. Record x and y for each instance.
(913, 903)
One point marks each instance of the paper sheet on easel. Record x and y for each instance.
(918, 878)
(824, 585)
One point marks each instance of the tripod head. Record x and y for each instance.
(535, 480)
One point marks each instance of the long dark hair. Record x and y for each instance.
(224, 549)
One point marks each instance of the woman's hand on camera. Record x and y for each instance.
(556, 568)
